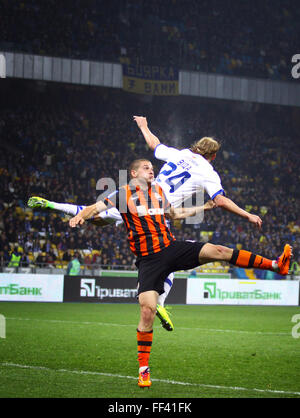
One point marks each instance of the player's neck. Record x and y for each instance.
(209, 159)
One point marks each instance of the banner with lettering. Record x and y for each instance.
(150, 79)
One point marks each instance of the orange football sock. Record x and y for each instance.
(144, 342)
(246, 259)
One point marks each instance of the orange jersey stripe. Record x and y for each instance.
(163, 226)
(137, 223)
(143, 215)
(150, 223)
(155, 203)
(130, 235)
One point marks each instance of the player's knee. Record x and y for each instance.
(214, 252)
(148, 312)
(222, 252)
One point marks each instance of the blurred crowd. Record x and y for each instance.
(60, 148)
(255, 39)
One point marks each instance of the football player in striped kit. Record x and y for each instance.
(112, 217)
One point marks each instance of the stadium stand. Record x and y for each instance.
(60, 140)
(254, 39)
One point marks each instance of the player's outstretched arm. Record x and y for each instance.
(230, 206)
(182, 213)
(87, 213)
(151, 139)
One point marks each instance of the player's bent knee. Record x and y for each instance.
(220, 250)
(224, 253)
(148, 311)
(211, 252)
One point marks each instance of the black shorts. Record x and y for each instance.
(154, 268)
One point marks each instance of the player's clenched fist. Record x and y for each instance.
(77, 220)
(141, 121)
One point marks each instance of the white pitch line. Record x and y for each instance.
(128, 325)
(69, 322)
(172, 382)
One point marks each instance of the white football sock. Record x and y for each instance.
(67, 208)
(167, 287)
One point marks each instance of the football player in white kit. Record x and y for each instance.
(189, 171)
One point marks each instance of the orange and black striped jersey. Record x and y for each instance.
(143, 212)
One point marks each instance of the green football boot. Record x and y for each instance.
(36, 202)
(164, 317)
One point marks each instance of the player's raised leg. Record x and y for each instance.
(36, 202)
(246, 259)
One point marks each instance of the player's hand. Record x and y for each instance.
(210, 204)
(141, 121)
(256, 220)
(77, 220)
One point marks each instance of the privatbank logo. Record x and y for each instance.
(211, 291)
(89, 289)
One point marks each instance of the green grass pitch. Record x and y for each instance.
(89, 350)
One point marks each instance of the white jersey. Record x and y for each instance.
(184, 174)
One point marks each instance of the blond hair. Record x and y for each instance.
(206, 147)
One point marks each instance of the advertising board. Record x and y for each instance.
(31, 287)
(242, 292)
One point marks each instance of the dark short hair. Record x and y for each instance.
(136, 163)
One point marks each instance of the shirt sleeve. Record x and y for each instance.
(112, 216)
(164, 153)
(112, 200)
(212, 185)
